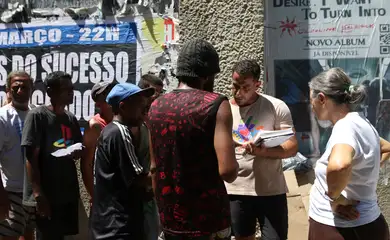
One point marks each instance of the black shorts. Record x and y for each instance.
(376, 230)
(64, 221)
(171, 237)
(270, 211)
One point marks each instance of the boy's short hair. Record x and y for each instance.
(54, 79)
(150, 79)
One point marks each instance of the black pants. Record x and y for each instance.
(270, 211)
(64, 221)
(376, 230)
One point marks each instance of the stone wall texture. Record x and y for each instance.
(234, 27)
(384, 198)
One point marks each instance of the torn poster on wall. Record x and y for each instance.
(21, 10)
(304, 38)
(90, 52)
(159, 53)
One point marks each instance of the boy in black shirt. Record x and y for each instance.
(119, 178)
(52, 184)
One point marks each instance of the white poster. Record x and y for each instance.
(306, 37)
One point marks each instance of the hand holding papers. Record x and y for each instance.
(269, 139)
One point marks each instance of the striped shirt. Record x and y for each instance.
(117, 201)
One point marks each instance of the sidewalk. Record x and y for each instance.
(298, 202)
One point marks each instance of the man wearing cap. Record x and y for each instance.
(119, 179)
(92, 132)
(192, 150)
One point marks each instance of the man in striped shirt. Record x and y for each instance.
(119, 178)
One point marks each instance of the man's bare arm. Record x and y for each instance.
(152, 172)
(33, 172)
(91, 135)
(385, 150)
(224, 145)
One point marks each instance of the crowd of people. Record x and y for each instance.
(154, 162)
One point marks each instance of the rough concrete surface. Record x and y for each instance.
(384, 198)
(234, 27)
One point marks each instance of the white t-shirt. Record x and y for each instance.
(356, 131)
(11, 154)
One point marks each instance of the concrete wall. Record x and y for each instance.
(384, 196)
(234, 27)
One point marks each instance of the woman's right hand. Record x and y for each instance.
(345, 208)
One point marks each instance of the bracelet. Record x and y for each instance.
(332, 199)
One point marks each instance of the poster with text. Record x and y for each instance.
(304, 38)
(119, 50)
(90, 52)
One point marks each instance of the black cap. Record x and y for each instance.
(99, 88)
(197, 58)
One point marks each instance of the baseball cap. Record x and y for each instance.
(122, 91)
(99, 88)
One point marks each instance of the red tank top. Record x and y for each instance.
(191, 195)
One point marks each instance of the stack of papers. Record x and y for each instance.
(271, 139)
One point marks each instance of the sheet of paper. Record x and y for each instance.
(274, 142)
(68, 151)
(270, 134)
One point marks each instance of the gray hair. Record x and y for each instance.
(336, 84)
(17, 73)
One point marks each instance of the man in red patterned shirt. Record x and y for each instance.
(192, 150)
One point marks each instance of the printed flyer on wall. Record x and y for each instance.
(306, 37)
